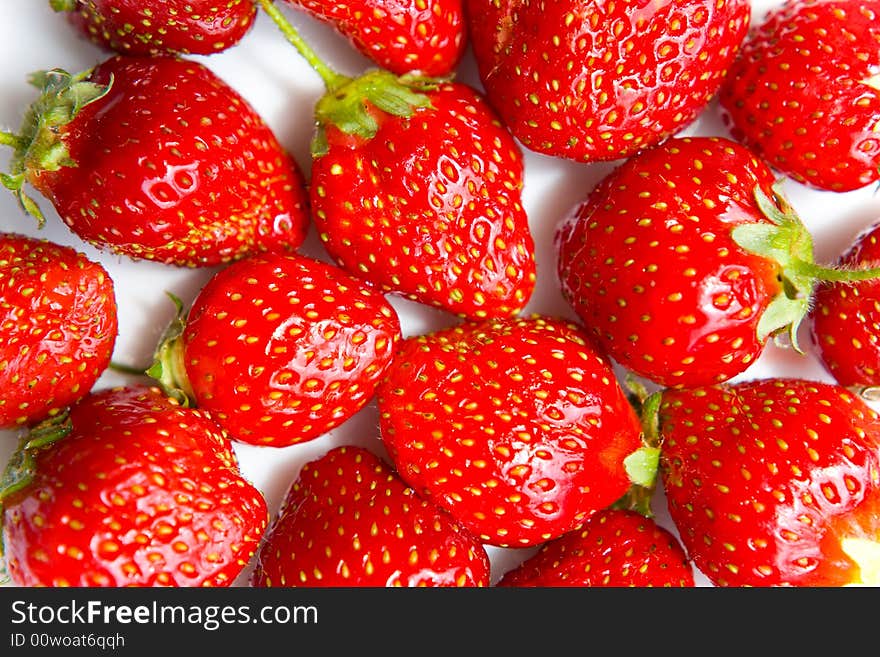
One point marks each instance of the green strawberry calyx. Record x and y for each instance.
(786, 241)
(642, 465)
(168, 367)
(350, 104)
(349, 107)
(20, 469)
(39, 146)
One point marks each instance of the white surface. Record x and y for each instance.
(269, 73)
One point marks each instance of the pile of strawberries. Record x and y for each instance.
(622, 441)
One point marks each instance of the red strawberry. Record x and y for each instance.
(804, 92)
(199, 27)
(685, 259)
(59, 325)
(402, 36)
(416, 187)
(348, 520)
(590, 80)
(158, 158)
(774, 482)
(613, 548)
(280, 348)
(515, 426)
(846, 318)
(137, 492)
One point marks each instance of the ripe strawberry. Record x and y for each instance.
(600, 81)
(198, 27)
(416, 187)
(401, 36)
(846, 318)
(614, 547)
(804, 93)
(516, 426)
(349, 520)
(158, 158)
(59, 324)
(132, 490)
(280, 349)
(774, 482)
(685, 259)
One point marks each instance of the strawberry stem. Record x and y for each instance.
(9, 139)
(351, 104)
(833, 275)
(785, 240)
(63, 5)
(332, 80)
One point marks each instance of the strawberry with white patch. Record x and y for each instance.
(774, 482)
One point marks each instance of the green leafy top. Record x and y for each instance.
(787, 242)
(20, 469)
(347, 101)
(37, 146)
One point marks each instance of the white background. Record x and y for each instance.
(267, 71)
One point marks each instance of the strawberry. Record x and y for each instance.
(129, 490)
(59, 323)
(280, 349)
(516, 426)
(613, 548)
(416, 187)
(198, 27)
(685, 259)
(845, 318)
(774, 482)
(592, 81)
(349, 520)
(804, 92)
(401, 36)
(157, 158)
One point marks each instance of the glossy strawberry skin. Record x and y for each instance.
(613, 548)
(430, 208)
(649, 264)
(348, 520)
(133, 27)
(175, 166)
(845, 317)
(283, 348)
(59, 325)
(591, 81)
(801, 94)
(774, 482)
(401, 36)
(142, 492)
(516, 426)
